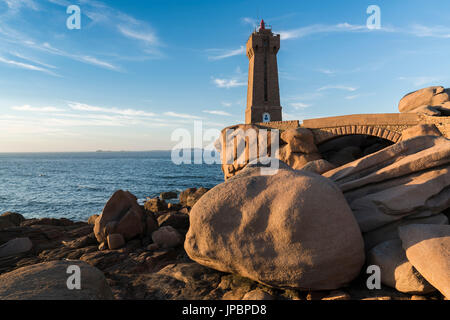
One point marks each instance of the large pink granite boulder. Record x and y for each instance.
(292, 229)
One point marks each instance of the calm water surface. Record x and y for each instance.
(77, 185)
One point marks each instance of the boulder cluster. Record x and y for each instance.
(304, 231)
(432, 101)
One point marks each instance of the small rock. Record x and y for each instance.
(316, 295)
(337, 295)
(167, 237)
(15, 218)
(416, 297)
(258, 294)
(102, 246)
(155, 205)
(152, 247)
(174, 206)
(291, 294)
(151, 224)
(191, 195)
(174, 219)
(5, 223)
(184, 195)
(115, 241)
(192, 199)
(92, 219)
(134, 244)
(168, 195)
(378, 298)
(15, 247)
(81, 242)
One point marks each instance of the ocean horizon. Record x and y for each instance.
(76, 185)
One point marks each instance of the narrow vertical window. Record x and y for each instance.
(266, 49)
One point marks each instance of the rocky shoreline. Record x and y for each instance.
(143, 268)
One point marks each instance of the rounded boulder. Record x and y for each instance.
(293, 229)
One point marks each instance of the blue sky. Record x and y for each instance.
(138, 70)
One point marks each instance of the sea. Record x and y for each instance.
(77, 185)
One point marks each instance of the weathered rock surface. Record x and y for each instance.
(48, 281)
(190, 196)
(177, 220)
(390, 231)
(115, 241)
(92, 219)
(123, 215)
(258, 294)
(421, 130)
(142, 270)
(15, 247)
(248, 142)
(428, 249)
(345, 149)
(299, 149)
(155, 205)
(167, 237)
(301, 140)
(283, 230)
(318, 166)
(396, 271)
(431, 101)
(10, 219)
(408, 179)
(296, 160)
(168, 195)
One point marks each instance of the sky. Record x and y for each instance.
(137, 70)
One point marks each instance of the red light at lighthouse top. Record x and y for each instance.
(262, 25)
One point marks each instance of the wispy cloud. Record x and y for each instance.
(327, 71)
(432, 31)
(16, 5)
(226, 104)
(320, 28)
(292, 116)
(299, 105)
(417, 30)
(250, 21)
(418, 81)
(82, 58)
(181, 115)
(148, 37)
(125, 112)
(97, 62)
(36, 109)
(337, 87)
(217, 112)
(26, 66)
(223, 54)
(228, 83)
(30, 59)
(309, 96)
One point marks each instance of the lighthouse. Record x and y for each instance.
(263, 93)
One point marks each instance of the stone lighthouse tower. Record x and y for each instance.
(263, 95)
